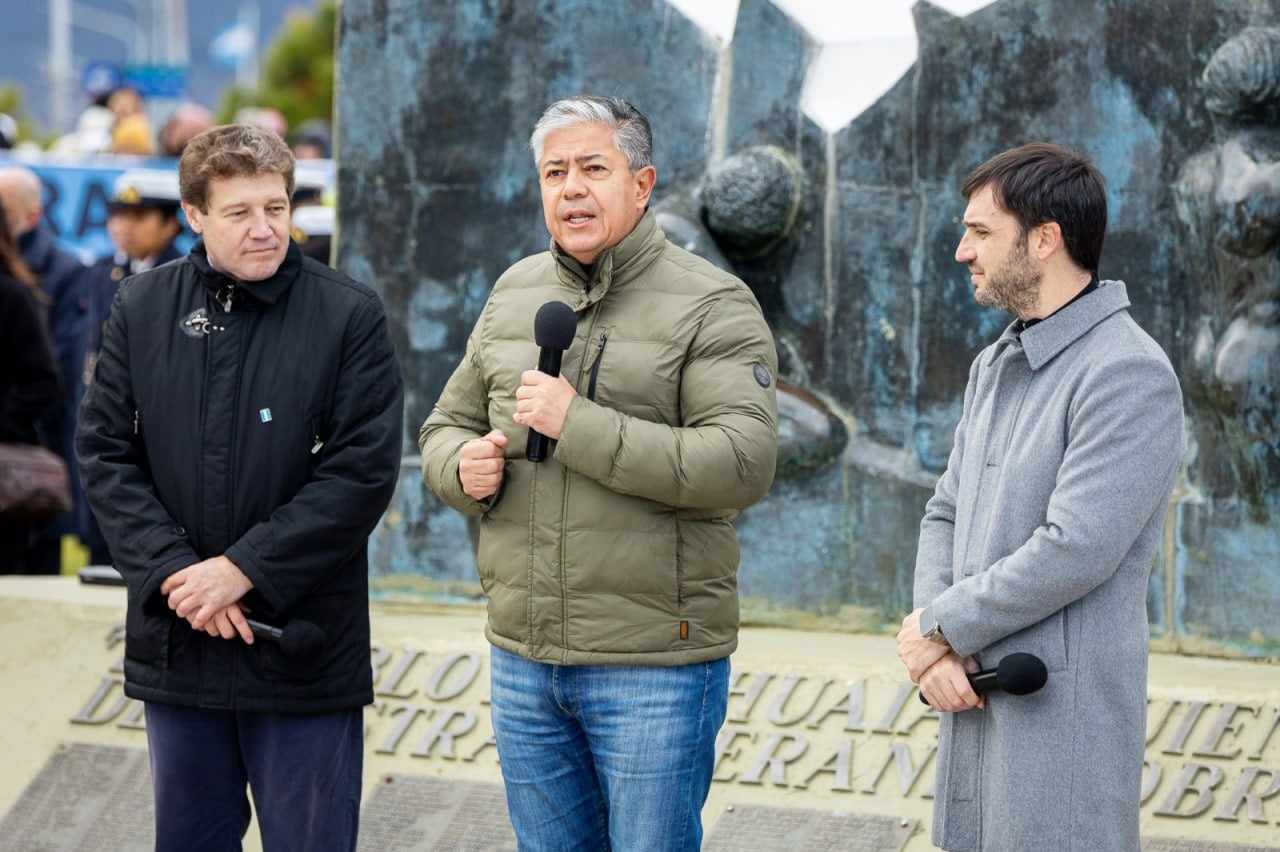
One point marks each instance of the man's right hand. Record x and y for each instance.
(945, 685)
(229, 622)
(480, 465)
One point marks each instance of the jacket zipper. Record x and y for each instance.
(204, 417)
(137, 422)
(595, 367)
(564, 500)
(245, 333)
(231, 442)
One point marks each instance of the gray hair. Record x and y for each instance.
(631, 133)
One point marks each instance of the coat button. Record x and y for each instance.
(179, 530)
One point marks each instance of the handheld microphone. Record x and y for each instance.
(297, 639)
(1016, 674)
(553, 330)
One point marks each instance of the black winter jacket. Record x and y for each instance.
(64, 279)
(270, 433)
(28, 378)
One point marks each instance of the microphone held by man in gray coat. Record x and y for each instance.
(1017, 674)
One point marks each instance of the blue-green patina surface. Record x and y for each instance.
(875, 320)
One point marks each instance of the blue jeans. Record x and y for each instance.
(606, 757)
(305, 773)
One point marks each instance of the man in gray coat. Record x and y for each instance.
(1041, 533)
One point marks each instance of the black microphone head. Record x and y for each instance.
(1021, 674)
(301, 639)
(554, 326)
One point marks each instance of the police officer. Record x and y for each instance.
(313, 230)
(143, 223)
(313, 215)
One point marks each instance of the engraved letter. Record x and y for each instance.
(1241, 794)
(1186, 783)
(1222, 727)
(775, 757)
(840, 764)
(437, 691)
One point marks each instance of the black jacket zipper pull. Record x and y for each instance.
(137, 422)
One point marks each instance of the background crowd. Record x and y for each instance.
(54, 304)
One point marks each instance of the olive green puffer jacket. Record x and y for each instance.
(620, 549)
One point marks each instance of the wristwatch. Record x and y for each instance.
(930, 628)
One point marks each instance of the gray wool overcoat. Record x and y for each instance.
(1040, 537)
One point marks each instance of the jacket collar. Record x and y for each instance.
(268, 290)
(615, 266)
(1044, 340)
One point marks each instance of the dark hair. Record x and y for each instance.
(1041, 183)
(11, 263)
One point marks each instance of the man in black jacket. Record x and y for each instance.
(240, 440)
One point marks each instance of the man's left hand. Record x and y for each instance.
(946, 685)
(200, 591)
(916, 652)
(542, 403)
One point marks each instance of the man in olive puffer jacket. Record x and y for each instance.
(610, 567)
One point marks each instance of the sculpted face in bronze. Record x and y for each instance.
(1229, 198)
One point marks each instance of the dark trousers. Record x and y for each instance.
(304, 772)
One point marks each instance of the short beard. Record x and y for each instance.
(1015, 286)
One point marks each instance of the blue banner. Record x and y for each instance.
(76, 195)
(157, 81)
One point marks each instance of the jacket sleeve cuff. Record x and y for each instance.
(149, 595)
(446, 482)
(246, 559)
(590, 439)
(928, 620)
(945, 611)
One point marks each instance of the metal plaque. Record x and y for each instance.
(763, 829)
(1174, 844)
(86, 798)
(417, 813)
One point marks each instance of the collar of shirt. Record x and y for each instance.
(1022, 325)
(1045, 339)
